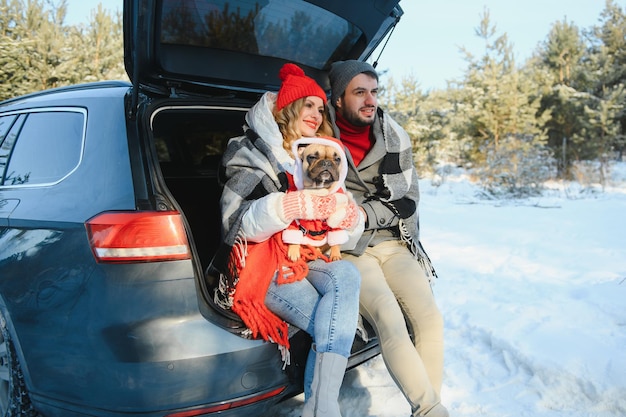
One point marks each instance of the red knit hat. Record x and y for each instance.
(296, 85)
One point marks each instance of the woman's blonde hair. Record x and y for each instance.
(287, 120)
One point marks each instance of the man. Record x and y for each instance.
(395, 270)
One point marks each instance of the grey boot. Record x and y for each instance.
(327, 378)
(437, 411)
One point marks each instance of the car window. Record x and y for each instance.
(5, 124)
(299, 32)
(48, 148)
(8, 133)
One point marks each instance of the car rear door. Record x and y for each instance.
(240, 45)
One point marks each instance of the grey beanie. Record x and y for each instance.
(342, 72)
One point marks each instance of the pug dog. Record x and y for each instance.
(320, 164)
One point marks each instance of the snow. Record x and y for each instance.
(533, 294)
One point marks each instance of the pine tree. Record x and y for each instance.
(561, 56)
(563, 51)
(608, 60)
(38, 51)
(14, 74)
(97, 48)
(502, 104)
(585, 94)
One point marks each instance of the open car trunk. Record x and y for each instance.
(189, 142)
(200, 65)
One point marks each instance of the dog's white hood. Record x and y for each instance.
(322, 140)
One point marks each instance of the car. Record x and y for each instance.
(110, 219)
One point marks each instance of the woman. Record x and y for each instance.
(262, 285)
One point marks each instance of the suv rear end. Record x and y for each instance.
(109, 218)
(101, 285)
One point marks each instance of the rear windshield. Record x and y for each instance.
(295, 31)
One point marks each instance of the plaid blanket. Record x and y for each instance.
(399, 189)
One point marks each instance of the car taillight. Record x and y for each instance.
(141, 236)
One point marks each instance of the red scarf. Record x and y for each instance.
(355, 138)
(262, 261)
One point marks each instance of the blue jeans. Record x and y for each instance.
(325, 305)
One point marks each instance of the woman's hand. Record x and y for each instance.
(338, 209)
(310, 205)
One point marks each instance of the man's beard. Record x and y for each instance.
(354, 119)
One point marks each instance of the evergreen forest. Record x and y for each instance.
(561, 114)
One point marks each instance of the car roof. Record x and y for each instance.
(85, 90)
(240, 45)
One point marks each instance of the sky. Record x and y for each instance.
(426, 42)
(532, 294)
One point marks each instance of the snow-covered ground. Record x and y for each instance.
(533, 294)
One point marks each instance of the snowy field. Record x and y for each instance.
(533, 294)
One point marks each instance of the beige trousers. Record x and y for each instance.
(394, 288)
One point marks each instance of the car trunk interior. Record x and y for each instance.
(189, 143)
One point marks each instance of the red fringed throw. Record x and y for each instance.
(262, 261)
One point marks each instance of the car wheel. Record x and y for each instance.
(14, 399)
